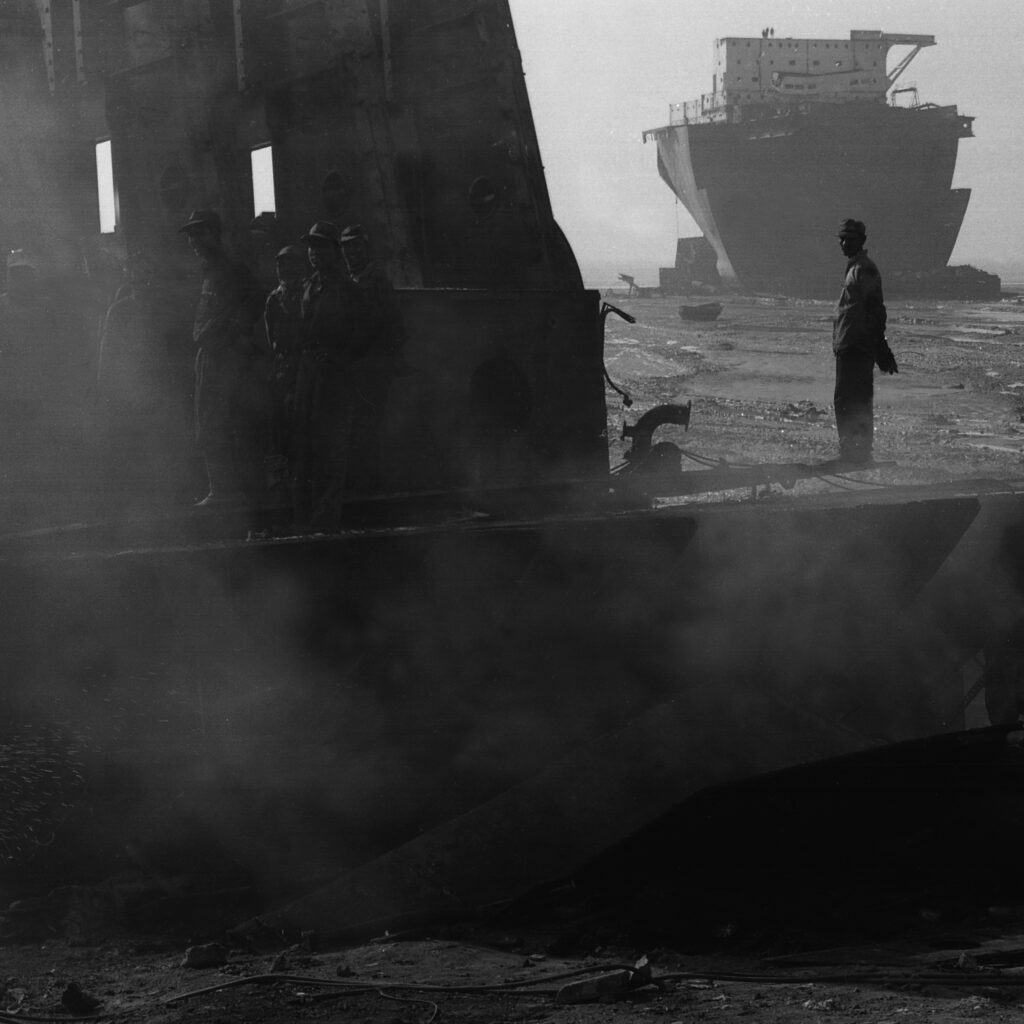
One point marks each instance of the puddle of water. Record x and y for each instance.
(995, 448)
(995, 332)
(1011, 313)
(981, 339)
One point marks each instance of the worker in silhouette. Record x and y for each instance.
(858, 342)
(227, 352)
(377, 330)
(324, 394)
(282, 318)
(144, 392)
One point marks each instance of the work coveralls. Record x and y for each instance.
(324, 397)
(858, 337)
(282, 318)
(226, 369)
(377, 336)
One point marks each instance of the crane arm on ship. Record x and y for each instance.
(917, 42)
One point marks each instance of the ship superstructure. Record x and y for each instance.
(797, 134)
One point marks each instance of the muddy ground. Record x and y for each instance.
(760, 378)
(893, 899)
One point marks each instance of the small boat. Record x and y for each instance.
(705, 311)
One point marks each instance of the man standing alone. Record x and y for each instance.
(858, 341)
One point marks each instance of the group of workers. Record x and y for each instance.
(333, 338)
(309, 407)
(289, 388)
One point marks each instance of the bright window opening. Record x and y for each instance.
(107, 193)
(263, 200)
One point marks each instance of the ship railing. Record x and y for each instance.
(694, 110)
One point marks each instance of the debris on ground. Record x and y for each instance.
(77, 1002)
(211, 954)
(601, 988)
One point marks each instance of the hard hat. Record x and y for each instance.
(291, 252)
(325, 231)
(203, 218)
(354, 233)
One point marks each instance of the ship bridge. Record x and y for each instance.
(764, 71)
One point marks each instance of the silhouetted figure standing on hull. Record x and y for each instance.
(376, 328)
(229, 306)
(324, 392)
(282, 317)
(858, 341)
(144, 395)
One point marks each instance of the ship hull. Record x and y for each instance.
(302, 705)
(769, 195)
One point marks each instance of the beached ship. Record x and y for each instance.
(797, 134)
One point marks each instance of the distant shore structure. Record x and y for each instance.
(797, 134)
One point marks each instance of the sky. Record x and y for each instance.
(601, 71)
